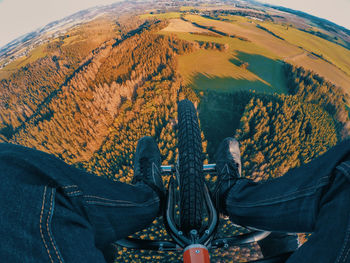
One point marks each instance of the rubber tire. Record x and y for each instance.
(190, 167)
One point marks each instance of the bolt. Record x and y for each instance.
(194, 232)
(207, 232)
(180, 233)
(197, 251)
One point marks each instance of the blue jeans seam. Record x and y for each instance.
(70, 186)
(346, 242)
(346, 256)
(71, 190)
(347, 237)
(283, 198)
(148, 203)
(94, 198)
(74, 193)
(346, 163)
(344, 170)
(40, 225)
(48, 225)
(105, 199)
(49, 212)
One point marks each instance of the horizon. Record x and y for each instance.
(336, 13)
(12, 29)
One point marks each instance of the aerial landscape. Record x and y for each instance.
(87, 87)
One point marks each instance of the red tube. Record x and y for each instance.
(196, 254)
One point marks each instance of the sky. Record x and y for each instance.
(18, 17)
(336, 11)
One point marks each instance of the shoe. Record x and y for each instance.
(147, 163)
(228, 167)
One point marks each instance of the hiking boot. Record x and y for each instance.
(147, 163)
(228, 167)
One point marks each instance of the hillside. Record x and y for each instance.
(88, 93)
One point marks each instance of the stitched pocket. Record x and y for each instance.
(47, 211)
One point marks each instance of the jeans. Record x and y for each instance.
(53, 212)
(314, 198)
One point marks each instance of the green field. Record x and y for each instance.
(208, 66)
(231, 85)
(162, 15)
(235, 44)
(296, 49)
(271, 71)
(332, 52)
(34, 55)
(215, 70)
(187, 8)
(221, 71)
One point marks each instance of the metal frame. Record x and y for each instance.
(180, 240)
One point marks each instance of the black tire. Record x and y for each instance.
(190, 167)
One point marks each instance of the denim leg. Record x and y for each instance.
(330, 240)
(289, 203)
(53, 212)
(299, 203)
(277, 243)
(285, 204)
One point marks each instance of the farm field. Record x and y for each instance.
(337, 55)
(34, 55)
(179, 25)
(207, 69)
(291, 50)
(247, 29)
(219, 71)
(162, 16)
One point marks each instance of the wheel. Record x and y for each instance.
(190, 167)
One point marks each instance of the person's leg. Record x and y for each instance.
(228, 165)
(278, 243)
(53, 212)
(330, 241)
(310, 199)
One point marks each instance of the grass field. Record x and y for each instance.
(187, 8)
(292, 49)
(179, 25)
(229, 85)
(212, 64)
(70, 40)
(269, 70)
(219, 71)
(162, 15)
(35, 54)
(244, 28)
(332, 52)
(262, 75)
(296, 49)
(234, 44)
(208, 69)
